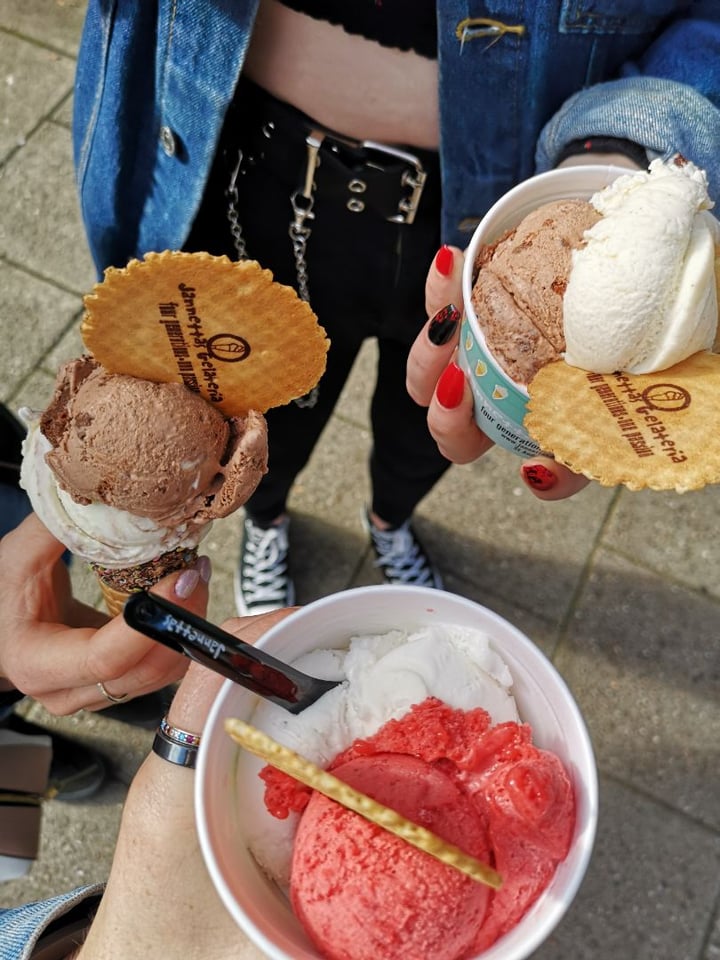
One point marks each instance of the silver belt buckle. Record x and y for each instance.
(414, 179)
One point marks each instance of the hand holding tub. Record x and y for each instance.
(44, 624)
(434, 380)
(158, 900)
(591, 318)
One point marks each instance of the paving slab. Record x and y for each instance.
(34, 81)
(41, 229)
(507, 544)
(35, 313)
(642, 659)
(650, 890)
(55, 24)
(671, 534)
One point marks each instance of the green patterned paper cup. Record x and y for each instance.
(500, 402)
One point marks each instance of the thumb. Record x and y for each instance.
(189, 587)
(197, 691)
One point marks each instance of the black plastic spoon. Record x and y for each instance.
(207, 644)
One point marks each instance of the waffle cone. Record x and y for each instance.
(114, 599)
(117, 585)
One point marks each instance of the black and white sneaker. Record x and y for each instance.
(262, 578)
(402, 557)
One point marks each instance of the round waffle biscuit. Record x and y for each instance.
(657, 430)
(224, 329)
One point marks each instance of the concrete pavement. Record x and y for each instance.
(620, 589)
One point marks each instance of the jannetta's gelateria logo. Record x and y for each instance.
(666, 396)
(227, 347)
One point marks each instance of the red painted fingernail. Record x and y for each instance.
(450, 387)
(444, 261)
(538, 477)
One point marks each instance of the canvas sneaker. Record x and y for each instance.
(401, 556)
(262, 578)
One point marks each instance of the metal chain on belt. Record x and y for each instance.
(299, 232)
(299, 235)
(232, 211)
(302, 203)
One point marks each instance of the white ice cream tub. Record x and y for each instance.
(500, 402)
(543, 699)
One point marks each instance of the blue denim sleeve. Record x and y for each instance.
(22, 927)
(668, 101)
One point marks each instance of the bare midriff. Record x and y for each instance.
(346, 83)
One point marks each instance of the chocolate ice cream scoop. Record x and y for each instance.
(155, 450)
(518, 293)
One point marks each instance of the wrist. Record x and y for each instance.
(606, 159)
(597, 149)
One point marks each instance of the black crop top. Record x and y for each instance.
(404, 24)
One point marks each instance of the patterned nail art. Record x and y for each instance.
(538, 477)
(443, 325)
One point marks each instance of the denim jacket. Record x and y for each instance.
(22, 928)
(518, 80)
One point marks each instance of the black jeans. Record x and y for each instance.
(366, 279)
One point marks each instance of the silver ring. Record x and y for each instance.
(183, 754)
(108, 696)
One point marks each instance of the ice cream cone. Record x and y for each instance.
(159, 429)
(114, 599)
(117, 585)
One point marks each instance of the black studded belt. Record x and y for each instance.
(369, 178)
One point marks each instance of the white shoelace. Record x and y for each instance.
(400, 554)
(264, 572)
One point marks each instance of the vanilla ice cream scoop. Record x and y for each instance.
(642, 293)
(385, 675)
